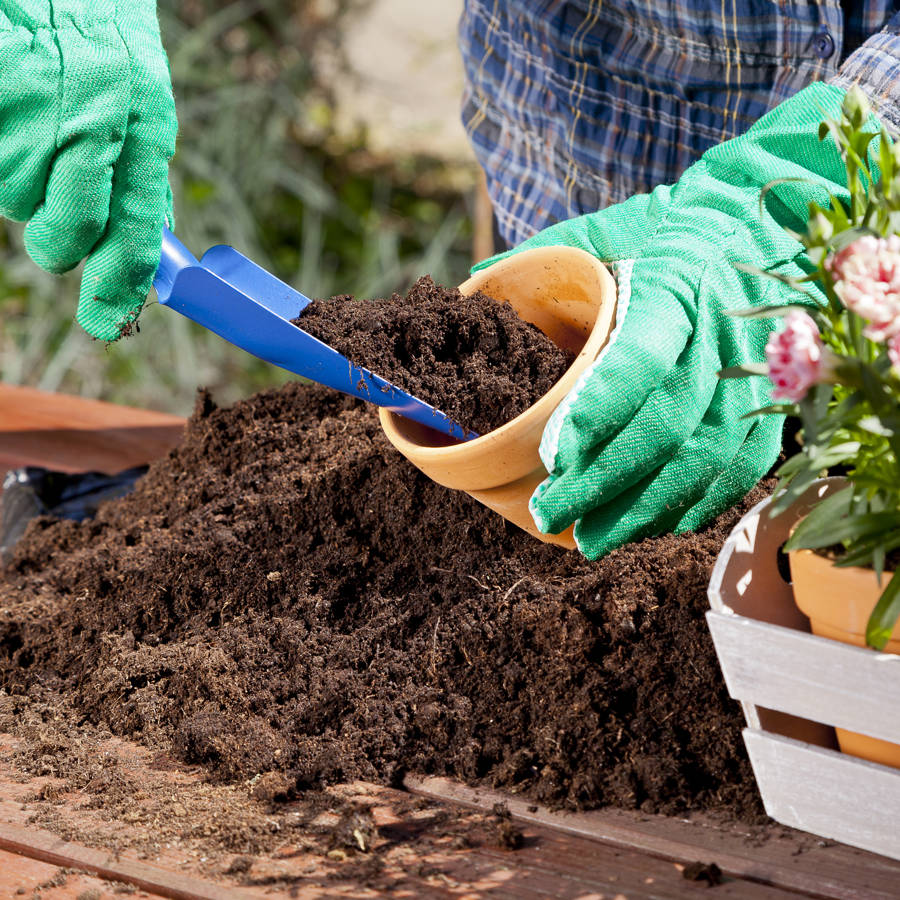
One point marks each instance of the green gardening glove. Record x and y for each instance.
(650, 439)
(87, 128)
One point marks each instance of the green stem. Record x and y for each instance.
(854, 328)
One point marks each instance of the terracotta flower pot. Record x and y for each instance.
(571, 297)
(838, 602)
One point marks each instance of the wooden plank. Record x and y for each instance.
(556, 864)
(72, 434)
(421, 849)
(848, 800)
(25, 878)
(287, 873)
(550, 864)
(789, 861)
(25, 408)
(813, 677)
(46, 847)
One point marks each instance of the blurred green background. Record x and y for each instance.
(260, 165)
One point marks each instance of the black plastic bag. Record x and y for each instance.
(31, 491)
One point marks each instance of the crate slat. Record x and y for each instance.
(828, 793)
(46, 847)
(813, 677)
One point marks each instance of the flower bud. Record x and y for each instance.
(856, 106)
(820, 227)
(797, 358)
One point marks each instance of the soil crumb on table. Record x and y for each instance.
(467, 356)
(75, 780)
(285, 596)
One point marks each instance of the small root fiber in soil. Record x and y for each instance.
(285, 596)
(470, 357)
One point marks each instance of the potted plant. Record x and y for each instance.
(835, 365)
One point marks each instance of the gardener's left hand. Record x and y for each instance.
(651, 439)
(87, 128)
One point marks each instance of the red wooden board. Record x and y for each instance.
(71, 434)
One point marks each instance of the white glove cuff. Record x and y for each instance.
(550, 440)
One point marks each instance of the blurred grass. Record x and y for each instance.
(256, 167)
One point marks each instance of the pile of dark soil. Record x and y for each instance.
(284, 593)
(467, 356)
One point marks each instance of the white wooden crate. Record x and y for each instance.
(794, 687)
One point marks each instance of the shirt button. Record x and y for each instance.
(823, 45)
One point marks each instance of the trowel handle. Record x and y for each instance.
(175, 257)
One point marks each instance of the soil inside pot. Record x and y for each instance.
(468, 356)
(285, 593)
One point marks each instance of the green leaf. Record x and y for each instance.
(768, 312)
(834, 455)
(874, 425)
(843, 412)
(846, 237)
(840, 219)
(773, 409)
(813, 409)
(865, 552)
(790, 491)
(878, 555)
(745, 370)
(884, 616)
(796, 464)
(790, 281)
(821, 529)
(829, 509)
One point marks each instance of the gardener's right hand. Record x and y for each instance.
(650, 439)
(87, 129)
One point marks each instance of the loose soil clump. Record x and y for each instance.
(467, 356)
(285, 594)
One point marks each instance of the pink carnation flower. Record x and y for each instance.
(797, 358)
(867, 279)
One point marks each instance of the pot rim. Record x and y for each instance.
(837, 598)
(833, 563)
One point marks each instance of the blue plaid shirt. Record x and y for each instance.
(575, 104)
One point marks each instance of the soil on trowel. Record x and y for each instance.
(467, 356)
(285, 594)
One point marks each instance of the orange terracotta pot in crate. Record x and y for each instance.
(838, 601)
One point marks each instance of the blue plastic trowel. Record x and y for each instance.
(251, 308)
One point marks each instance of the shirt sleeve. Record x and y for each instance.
(875, 67)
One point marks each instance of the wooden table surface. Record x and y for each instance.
(611, 854)
(71, 434)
